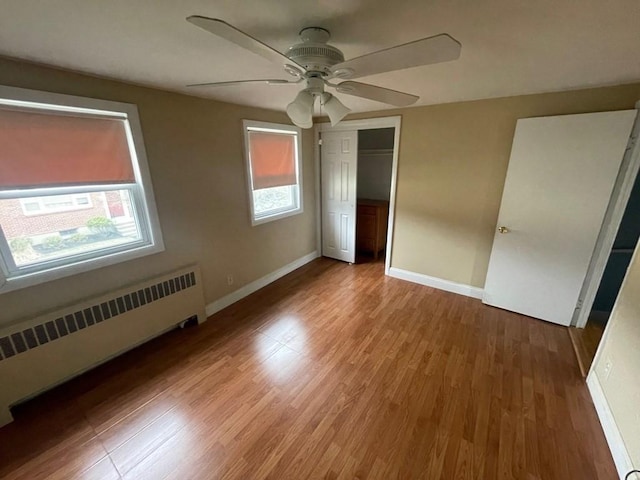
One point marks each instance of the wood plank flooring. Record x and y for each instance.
(335, 372)
(585, 343)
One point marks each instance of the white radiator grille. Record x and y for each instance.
(39, 353)
(50, 331)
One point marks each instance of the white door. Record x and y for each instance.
(338, 164)
(559, 181)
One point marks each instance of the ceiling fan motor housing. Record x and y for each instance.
(313, 53)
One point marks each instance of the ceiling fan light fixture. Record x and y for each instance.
(315, 61)
(334, 108)
(300, 111)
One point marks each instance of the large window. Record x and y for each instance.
(272, 154)
(75, 192)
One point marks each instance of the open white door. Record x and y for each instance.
(338, 166)
(559, 181)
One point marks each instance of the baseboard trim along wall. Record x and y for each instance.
(256, 285)
(616, 444)
(434, 282)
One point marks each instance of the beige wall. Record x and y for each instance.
(452, 165)
(194, 148)
(621, 347)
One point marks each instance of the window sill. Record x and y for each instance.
(62, 271)
(275, 216)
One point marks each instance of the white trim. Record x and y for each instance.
(28, 193)
(23, 97)
(256, 285)
(392, 195)
(621, 456)
(613, 217)
(434, 282)
(317, 194)
(394, 122)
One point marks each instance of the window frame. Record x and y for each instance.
(276, 214)
(141, 192)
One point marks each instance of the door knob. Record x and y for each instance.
(503, 229)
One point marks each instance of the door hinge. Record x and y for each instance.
(320, 141)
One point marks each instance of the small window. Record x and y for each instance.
(75, 193)
(272, 154)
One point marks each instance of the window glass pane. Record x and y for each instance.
(55, 203)
(62, 228)
(273, 200)
(31, 206)
(58, 202)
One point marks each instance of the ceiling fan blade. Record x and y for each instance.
(268, 81)
(440, 48)
(229, 32)
(379, 94)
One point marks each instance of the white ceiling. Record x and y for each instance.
(509, 47)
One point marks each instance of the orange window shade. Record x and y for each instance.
(273, 162)
(48, 149)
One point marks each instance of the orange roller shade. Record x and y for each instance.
(48, 149)
(273, 162)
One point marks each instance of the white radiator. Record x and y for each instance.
(40, 353)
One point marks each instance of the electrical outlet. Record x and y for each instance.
(229, 279)
(608, 365)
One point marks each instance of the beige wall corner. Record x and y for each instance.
(617, 363)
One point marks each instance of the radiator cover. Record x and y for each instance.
(38, 354)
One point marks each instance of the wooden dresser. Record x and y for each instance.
(371, 226)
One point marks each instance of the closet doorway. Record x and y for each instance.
(375, 166)
(356, 166)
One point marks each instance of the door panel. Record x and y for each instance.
(560, 178)
(338, 164)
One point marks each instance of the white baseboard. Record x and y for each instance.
(616, 444)
(434, 282)
(256, 285)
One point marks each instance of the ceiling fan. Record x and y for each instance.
(315, 62)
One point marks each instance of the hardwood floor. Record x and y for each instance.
(334, 371)
(585, 343)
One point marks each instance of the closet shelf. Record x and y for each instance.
(376, 151)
